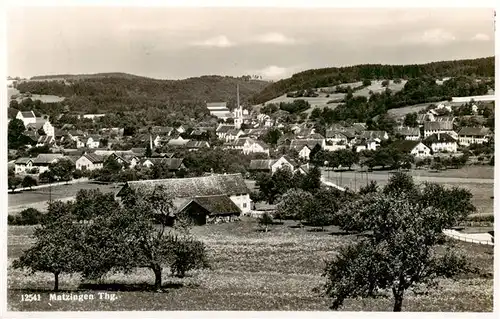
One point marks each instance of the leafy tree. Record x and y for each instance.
(57, 245)
(312, 180)
(62, 169)
(15, 135)
(411, 119)
(293, 204)
(29, 181)
(188, 254)
(91, 203)
(397, 256)
(372, 187)
(272, 136)
(148, 152)
(400, 184)
(265, 220)
(367, 82)
(14, 182)
(385, 83)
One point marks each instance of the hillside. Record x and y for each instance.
(482, 67)
(120, 92)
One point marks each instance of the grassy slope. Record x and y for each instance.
(252, 270)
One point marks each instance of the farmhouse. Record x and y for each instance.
(473, 135)
(23, 164)
(334, 137)
(441, 143)
(182, 189)
(272, 165)
(203, 210)
(305, 146)
(42, 161)
(89, 162)
(409, 133)
(441, 127)
(415, 148)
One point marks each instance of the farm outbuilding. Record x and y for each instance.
(203, 210)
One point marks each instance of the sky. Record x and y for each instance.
(177, 43)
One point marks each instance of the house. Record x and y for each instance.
(233, 134)
(367, 145)
(305, 132)
(93, 116)
(282, 162)
(444, 106)
(181, 129)
(409, 133)
(222, 130)
(473, 135)
(160, 140)
(173, 164)
(334, 137)
(272, 165)
(43, 124)
(42, 161)
(193, 145)
(443, 127)
(177, 142)
(182, 189)
(202, 210)
(92, 141)
(28, 117)
(89, 162)
(374, 135)
(255, 146)
(415, 148)
(261, 165)
(23, 164)
(305, 146)
(441, 142)
(427, 117)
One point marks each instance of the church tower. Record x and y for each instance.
(238, 112)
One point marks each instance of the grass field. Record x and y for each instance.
(38, 198)
(251, 270)
(477, 179)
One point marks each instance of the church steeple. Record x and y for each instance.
(238, 112)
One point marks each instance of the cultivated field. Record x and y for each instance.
(42, 98)
(402, 111)
(38, 198)
(251, 270)
(477, 179)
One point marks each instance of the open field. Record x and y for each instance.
(42, 98)
(480, 183)
(38, 198)
(251, 270)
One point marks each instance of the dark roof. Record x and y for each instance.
(474, 131)
(214, 205)
(231, 184)
(373, 134)
(94, 158)
(331, 133)
(224, 128)
(405, 145)
(436, 126)
(23, 160)
(28, 114)
(197, 144)
(311, 143)
(439, 138)
(261, 164)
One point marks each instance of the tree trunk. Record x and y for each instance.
(56, 281)
(398, 300)
(157, 271)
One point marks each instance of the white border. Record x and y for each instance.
(220, 3)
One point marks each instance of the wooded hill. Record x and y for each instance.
(120, 92)
(482, 67)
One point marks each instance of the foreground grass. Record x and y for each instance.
(251, 270)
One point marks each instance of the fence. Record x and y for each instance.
(468, 239)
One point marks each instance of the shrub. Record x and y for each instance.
(188, 254)
(482, 218)
(29, 216)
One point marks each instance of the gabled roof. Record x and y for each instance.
(224, 128)
(231, 184)
(474, 131)
(171, 163)
(93, 158)
(23, 160)
(332, 133)
(261, 164)
(28, 114)
(310, 143)
(47, 158)
(214, 205)
(45, 139)
(405, 146)
(439, 138)
(408, 131)
(438, 126)
(373, 134)
(177, 142)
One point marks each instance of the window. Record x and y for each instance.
(244, 205)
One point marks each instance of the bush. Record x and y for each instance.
(29, 216)
(188, 254)
(385, 83)
(482, 218)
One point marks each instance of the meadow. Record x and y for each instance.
(250, 270)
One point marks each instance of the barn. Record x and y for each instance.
(203, 210)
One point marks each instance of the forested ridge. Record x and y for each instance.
(482, 67)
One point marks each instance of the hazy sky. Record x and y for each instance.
(173, 43)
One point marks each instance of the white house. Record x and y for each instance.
(368, 145)
(181, 189)
(23, 164)
(48, 128)
(93, 116)
(415, 148)
(335, 137)
(28, 117)
(42, 161)
(93, 141)
(441, 143)
(89, 162)
(305, 146)
(473, 135)
(282, 162)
